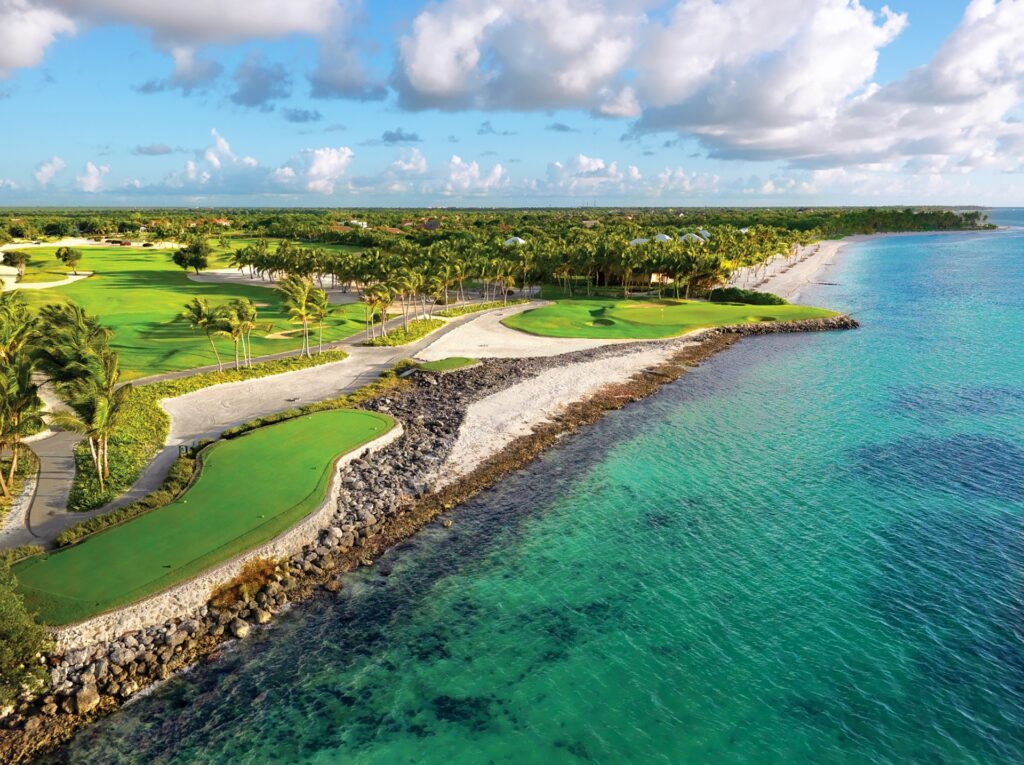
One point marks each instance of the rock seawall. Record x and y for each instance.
(379, 499)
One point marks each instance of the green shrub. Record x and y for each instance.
(22, 641)
(15, 554)
(750, 297)
(417, 329)
(146, 424)
(462, 310)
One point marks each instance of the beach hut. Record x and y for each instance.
(640, 240)
(691, 238)
(514, 241)
(705, 235)
(744, 230)
(662, 238)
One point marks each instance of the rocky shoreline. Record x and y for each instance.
(383, 498)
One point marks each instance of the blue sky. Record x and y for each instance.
(511, 102)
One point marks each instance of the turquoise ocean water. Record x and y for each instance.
(808, 550)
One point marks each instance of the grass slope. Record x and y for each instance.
(250, 490)
(447, 365)
(139, 293)
(610, 319)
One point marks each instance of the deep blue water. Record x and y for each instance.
(809, 549)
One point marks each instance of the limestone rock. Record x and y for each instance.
(239, 629)
(87, 699)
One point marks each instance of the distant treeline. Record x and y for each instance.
(379, 227)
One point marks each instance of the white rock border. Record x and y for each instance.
(193, 594)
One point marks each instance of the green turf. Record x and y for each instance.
(447, 365)
(646, 319)
(250, 490)
(139, 293)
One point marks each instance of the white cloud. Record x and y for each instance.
(7, 183)
(47, 169)
(326, 168)
(467, 178)
(582, 173)
(411, 162)
(516, 54)
(92, 179)
(185, 27)
(26, 30)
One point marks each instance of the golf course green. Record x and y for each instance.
(646, 319)
(139, 293)
(250, 490)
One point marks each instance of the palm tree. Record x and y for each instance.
(230, 324)
(296, 292)
(200, 316)
(17, 325)
(319, 309)
(246, 314)
(20, 410)
(97, 406)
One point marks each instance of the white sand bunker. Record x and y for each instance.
(494, 422)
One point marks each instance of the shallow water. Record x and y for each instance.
(807, 550)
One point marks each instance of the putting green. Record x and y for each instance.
(250, 490)
(139, 294)
(610, 319)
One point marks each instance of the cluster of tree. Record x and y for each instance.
(426, 226)
(237, 319)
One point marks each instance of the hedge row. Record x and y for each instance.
(15, 554)
(144, 429)
(462, 310)
(177, 480)
(750, 297)
(417, 329)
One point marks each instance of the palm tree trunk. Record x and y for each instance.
(14, 461)
(3, 486)
(236, 339)
(320, 343)
(106, 464)
(215, 351)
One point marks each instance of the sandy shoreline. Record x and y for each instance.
(789, 280)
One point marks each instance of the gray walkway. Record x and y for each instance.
(206, 413)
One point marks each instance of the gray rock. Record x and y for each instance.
(121, 656)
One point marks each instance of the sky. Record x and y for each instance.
(342, 103)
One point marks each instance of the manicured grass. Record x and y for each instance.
(139, 293)
(447, 365)
(250, 490)
(646, 318)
